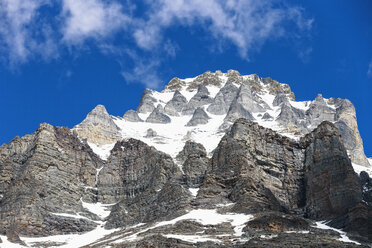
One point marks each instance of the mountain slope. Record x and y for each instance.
(220, 160)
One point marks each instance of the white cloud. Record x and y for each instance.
(91, 19)
(369, 71)
(246, 23)
(26, 31)
(18, 30)
(144, 70)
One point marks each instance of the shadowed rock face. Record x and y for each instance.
(256, 168)
(290, 115)
(198, 118)
(132, 168)
(201, 98)
(194, 163)
(279, 99)
(280, 180)
(223, 99)
(332, 186)
(147, 103)
(41, 174)
(176, 104)
(259, 169)
(158, 116)
(139, 178)
(132, 116)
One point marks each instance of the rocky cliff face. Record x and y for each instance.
(43, 175)
(220, 160)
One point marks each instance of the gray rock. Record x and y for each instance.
(198, 118)
(242, 105)
(279, 99)
(98, 127)
(140, 178)
(328, 170)
(366, 182)
(275, 88)
(346, 113)
(201, 98)
(132, 116)
(223, 99)
(158, 116)
(193, 158)
(176, 104)
(257, 169)
(194, 169)
(234, 76)
(37, 172)
(175, 84)
(207, 78)
(218, 107)
(245, 97)
(267, 116)
(291, 115)
(191, 148)
(147, 103)
(132, 169)
(319, 111)
(150, 133)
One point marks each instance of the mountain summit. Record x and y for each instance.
(219, 160)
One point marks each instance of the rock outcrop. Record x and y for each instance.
(158, 116)
(198, 118)
(132, 116)
(98, 127)
(201, 98)
(43, 175)
(223, 99)
(328, 170)
(257, 169)
(176, 104)
(147, 103)
(139, 178)
(194, 159)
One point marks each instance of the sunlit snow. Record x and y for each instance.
(102, 151)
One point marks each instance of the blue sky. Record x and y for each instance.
(60, 58)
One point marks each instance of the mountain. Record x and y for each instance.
(219, 160)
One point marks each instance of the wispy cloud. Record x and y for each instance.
(246, 23)
(23, 32)
(369, 71)
(143, 70)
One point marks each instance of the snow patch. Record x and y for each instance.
(300, 105)
(102, 151)
(99, 209)
(204, 217)
(172, 136)
(302, 232)
(359, 168)
(71, 240)
(194, 191)
(344, 238)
